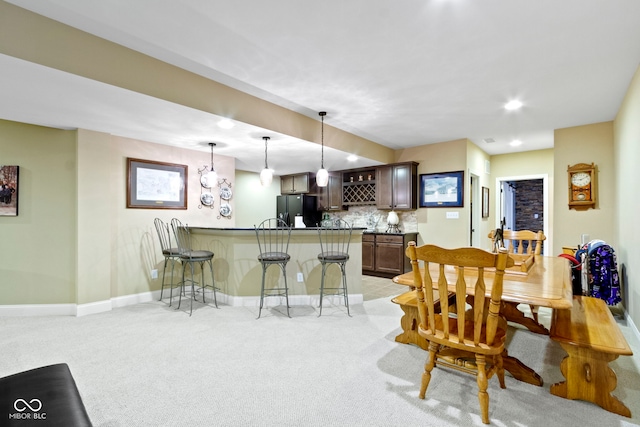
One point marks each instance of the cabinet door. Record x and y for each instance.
(286, 184)
(330, 197)
(368, 255)
(389, 258)
(404, 186)
(301, 183)
(384, 187)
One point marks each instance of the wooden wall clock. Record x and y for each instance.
(582, 186)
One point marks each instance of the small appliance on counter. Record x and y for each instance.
(290, 206)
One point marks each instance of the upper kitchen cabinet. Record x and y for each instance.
(301, 183)
(396, 186)
(330, 197)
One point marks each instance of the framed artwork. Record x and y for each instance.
(9, 190)
(485, 202)
(156, 185)
(440, 190)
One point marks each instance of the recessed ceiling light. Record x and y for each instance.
(226, 124)
(513, 105)
(352, 158)
(515, 143)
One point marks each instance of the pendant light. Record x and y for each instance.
(212, 176)
(322, 176)
(266, 176)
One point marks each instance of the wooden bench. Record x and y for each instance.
(591, 337)
(409, 321)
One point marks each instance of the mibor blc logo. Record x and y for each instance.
(28, 410)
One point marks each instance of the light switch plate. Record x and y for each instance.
(453, 215)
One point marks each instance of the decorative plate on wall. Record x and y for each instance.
(204, 181)
(225, 209)
(225, 193)
(206, 199)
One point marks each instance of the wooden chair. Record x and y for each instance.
(475, 338)
(522, 243)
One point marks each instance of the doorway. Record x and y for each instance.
(524, 205)
(475, 210)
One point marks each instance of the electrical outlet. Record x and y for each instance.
(300, 277)
(154, 274)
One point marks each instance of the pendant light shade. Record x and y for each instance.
(322, 176)
(212, 175)
(266, 176)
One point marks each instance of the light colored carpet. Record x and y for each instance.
(149, 365)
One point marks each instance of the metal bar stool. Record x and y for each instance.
(273, 236)
(170, 253)
(190, 256)
(334, 249)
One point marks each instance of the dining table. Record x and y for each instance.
(546, 283)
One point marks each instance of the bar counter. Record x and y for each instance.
(238, 273)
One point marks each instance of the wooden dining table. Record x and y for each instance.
(547, 283)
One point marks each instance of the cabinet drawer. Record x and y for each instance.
(382, 238)
(368, 237)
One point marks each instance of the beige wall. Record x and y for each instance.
(476, 161)
(626, 153)
(38, 247)
(74, 240)
(433, 225)
(525, 165)
(584, 144)
(254, 203)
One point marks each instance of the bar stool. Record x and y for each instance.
(334, 249)
(190, 256)
(169, 252)
(273, 236)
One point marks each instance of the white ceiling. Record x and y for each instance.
(400, 73)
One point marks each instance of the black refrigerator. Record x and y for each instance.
(298, 204)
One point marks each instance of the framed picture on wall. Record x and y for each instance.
(485, 202)
(156, 185)
(442, 190)
(9, 190)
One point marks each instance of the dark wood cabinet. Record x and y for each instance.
(368, 252)
(301, 183)
(330, 197)
(396, 186)
(384, 254)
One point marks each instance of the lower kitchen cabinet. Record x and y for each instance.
(383, 254)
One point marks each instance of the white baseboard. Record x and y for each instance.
(633, 326)
(93, 308)
(123, 301)
(38, 310)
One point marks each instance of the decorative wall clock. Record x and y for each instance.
(582, 186)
